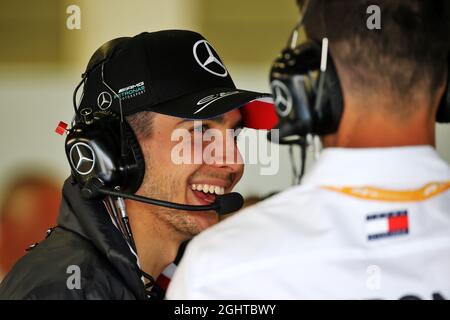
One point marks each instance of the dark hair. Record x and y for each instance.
(410, 50)
(141, 123)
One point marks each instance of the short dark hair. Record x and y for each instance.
(141, 123)
(410, 49)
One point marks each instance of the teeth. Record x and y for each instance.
(207, 188)
(219, 190)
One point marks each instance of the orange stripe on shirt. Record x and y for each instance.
(370, 193)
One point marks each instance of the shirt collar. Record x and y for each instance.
(402, 167)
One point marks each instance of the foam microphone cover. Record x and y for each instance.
(229, 202)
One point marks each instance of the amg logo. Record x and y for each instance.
(131, 87)
(132, 91)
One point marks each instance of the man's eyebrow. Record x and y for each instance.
(218, 119)
(183, 120)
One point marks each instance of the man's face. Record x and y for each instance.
(195, 182)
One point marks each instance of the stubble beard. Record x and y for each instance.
(164, 186)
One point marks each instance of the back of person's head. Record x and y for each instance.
(404, 61)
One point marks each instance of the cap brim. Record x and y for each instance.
(257, 109)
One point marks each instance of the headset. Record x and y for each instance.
(106, 159)
(104, 154)
(307, 91)
(102, 147)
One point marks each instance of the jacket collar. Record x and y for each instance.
(91, 220)
(397, 167)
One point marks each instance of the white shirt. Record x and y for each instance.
(364, 224)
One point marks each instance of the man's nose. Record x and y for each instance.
(227, 154)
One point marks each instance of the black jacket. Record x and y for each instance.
(84, 237)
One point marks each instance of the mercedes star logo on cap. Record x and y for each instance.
(104, 100)
(82, 158)
(283, 98)
(212, 63)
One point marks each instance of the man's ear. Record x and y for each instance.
(442, 99)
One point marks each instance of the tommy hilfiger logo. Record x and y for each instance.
(384, 225)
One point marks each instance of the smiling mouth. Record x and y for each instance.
(206, 193)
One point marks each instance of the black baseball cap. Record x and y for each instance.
(172, 72)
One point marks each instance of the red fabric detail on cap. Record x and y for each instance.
(259, 115)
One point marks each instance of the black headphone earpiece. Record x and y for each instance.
(101, 146)
(295, 81)
(305, 108)
(94, 152)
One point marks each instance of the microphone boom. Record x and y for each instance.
(223, 204)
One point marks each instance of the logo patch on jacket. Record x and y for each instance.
(382, 225)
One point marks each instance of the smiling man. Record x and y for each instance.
(110, 248)
(158, 234)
